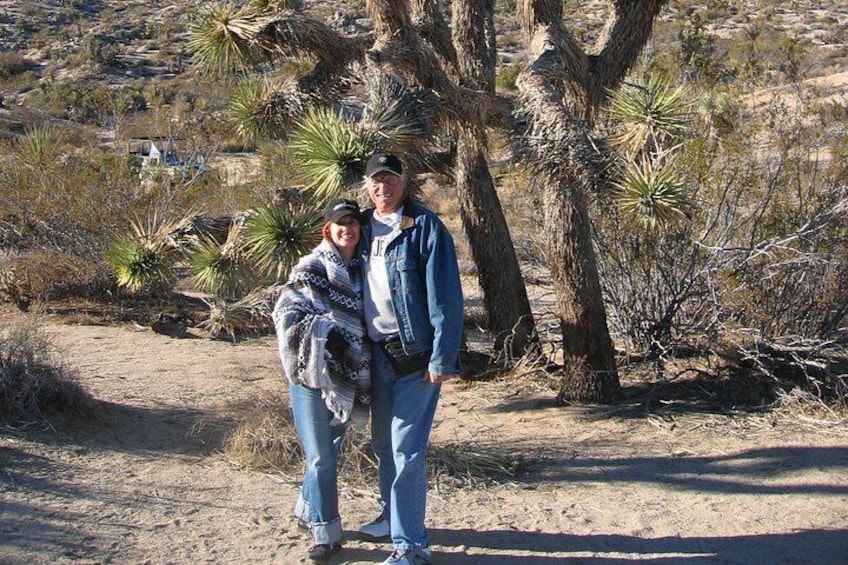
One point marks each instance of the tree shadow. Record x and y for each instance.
(738, 473)
(801, 547)
(106, 426)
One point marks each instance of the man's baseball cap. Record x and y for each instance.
(383, 163)
(341, 207)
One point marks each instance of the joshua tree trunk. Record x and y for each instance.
(504, 294)
(561, 91)
(590, 373)
(470, 64)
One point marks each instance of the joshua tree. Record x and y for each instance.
(561, 90)
(224, 40)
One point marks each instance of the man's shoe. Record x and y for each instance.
(378, 530)
(409, 557)
(322, 551)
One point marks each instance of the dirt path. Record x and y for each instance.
(147, 483)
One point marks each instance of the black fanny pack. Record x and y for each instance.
(402, 363)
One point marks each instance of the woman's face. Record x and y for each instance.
(345, 235)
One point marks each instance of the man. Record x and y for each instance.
(413, 317)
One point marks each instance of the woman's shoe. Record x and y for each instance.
(323, 551)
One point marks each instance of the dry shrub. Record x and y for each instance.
(38, 276)
(266, 440)
(459, 465)
(33, 386)
(807, 407)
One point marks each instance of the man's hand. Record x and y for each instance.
(436, 379)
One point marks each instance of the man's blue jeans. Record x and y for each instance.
(402, 410)
(318, 504)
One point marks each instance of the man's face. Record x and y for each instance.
(386, 191)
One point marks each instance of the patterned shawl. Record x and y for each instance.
(323, 294)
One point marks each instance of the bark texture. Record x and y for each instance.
(561, 91)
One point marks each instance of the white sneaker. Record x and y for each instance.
(378, 530)
(409, 557)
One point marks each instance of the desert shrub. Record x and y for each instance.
(521, 200)
(90, 103)
(507, 76)
(128, 99)
(83, 102)
(101, 50)
(40, 275)
(267, 440)
(74, 198)
(58, 197)
(33, 386)
(12, 64)
(758, 271)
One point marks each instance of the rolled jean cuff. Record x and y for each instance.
(301, 509)
(327, 532)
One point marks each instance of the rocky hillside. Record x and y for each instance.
(141, 47)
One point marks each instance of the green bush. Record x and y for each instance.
(507, 76)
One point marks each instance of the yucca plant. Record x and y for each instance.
(221, 38)
(276, 236)
(402, 117)
(650, 115)
(144, 260)
(219, 268)
(245, 111)
(251, 313)
(330, 151)
(652, 196)
(40, 146)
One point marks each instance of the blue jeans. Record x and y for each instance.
(318, 503)
(402, 410)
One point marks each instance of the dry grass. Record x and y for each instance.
(266, 440)
(38, 276)
(34, 386)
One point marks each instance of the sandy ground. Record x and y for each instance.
(147, 483)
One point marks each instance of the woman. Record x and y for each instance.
(318, 319)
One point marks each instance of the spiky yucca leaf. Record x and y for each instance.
(221, 37)
(403, 117)
(144, 259)
(250, 314)
(275, 237)
(219, 268)
(246, 111)
(652, 197)
(215, 271)
(650, 114)
(138, 265)
(330, 152)
(41, 145)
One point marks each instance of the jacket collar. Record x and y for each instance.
(406, 223)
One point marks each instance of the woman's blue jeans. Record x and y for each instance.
(318, 504)
(402, 411)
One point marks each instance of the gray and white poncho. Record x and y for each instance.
(324, 294)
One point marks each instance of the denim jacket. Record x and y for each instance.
(424, 280)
